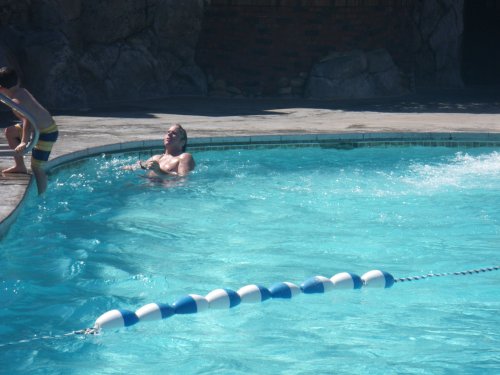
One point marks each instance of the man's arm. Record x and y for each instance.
(139, 164)
(186, 164)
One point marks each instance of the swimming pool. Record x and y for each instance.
(106, 238)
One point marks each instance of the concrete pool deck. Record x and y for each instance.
(457, 111)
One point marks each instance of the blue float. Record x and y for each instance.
(284, 290)
(316, 284)
(190, 304)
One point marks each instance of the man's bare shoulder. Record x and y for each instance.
(186, 160)
(185, 156)
(156, 157)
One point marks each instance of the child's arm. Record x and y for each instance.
(26, 133)
(26, 128)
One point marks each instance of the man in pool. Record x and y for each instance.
(175, 161)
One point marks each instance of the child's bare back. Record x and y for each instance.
(42, 117)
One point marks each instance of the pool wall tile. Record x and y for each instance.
(429, 137)
(382, 136)
(340, 137)
(115, 147)
(231, 140)
(494, 136)
(471, 137)
(296, 138)
(147, 143)
(199, 141)
(135, 145)
(265, 139)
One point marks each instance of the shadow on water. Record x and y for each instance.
(472, 100)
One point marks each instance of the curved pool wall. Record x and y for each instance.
(340, 141)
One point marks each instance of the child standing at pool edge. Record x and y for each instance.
(18, 135)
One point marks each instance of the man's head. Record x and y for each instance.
(176, 135)
(8, 77)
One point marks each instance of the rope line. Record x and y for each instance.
(459, 273)
(46, 337)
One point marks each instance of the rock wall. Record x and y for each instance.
(75, 53)
(264, 48)
(79, 53)
(438, 32)
(254, 48)
(355, 74)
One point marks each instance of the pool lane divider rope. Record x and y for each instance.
(253, 293)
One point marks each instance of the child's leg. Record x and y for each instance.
(40, 177)
(40, 154)
(13, 135)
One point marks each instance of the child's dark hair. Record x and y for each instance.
(8, 77)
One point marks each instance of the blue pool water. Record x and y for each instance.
(104, 238)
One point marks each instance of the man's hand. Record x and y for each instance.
(154, 166)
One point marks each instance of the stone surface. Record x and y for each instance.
(355, 74)
(78, 53)
(438, 40)
(81, 53)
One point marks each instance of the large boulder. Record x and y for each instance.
(355, 74)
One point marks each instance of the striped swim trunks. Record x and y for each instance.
(41, 151)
